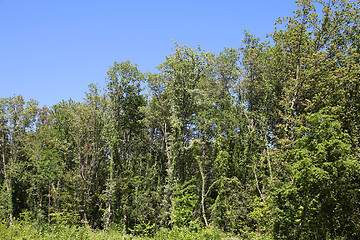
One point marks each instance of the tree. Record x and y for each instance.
(17, 118)
(123, 136)
(42, 169)
(322, 193)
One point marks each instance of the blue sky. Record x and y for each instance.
(51, 50)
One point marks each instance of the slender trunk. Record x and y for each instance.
(166, 144)
(203, 194)
(4, 164)
(7, 182)
(49, 205)
(203, 200)
(168, 188)
(85, 205)
(107, 214)
(85, 220)
(257, 185)
(124, 225)
(55, 198)
(84, 215)
(268, 159)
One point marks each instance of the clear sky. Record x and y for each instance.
(51, 50)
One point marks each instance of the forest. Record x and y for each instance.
(259, 142)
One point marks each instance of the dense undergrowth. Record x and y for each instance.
(27, 228)
(31, 230)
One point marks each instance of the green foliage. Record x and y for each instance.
(321, 166)
(186, 233)
(260, 143)
(27, 230)
(5, 199)
(184, 200)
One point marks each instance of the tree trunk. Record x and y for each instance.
(203, 194)
(203, 200)
(257, 185)
(7, 183)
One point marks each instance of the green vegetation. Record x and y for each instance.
(29, 230)
(262, 142)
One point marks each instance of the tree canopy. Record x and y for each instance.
(260, 141)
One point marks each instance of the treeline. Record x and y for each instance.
(259, 141)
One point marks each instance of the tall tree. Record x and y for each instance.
(17, 118)
(123, 134)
